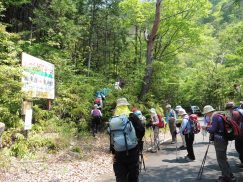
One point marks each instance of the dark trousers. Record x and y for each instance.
(239, 147)
(95, 125)
(221, 148)
(189, 145)
(126, 167)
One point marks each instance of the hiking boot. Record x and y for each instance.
(182, 147)
(153, 151)
(188, 159)
(173, 142)
(226, 179)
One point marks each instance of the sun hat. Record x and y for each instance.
(168, 106)
(208, 109)
(122, 102)
(177, 108)
(152, 110)
(230, 105)
(182, 112)
(95, 105)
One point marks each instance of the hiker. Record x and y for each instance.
(178, 124)
(220, 143)
(125, 150)
(236, 116)
(116, 85)
(241, 105)
(171, 119)
(186, 130)
(122, 107)
(96, 119)
(139, 114)
(99, 99)
(154, 122)
(2, 127)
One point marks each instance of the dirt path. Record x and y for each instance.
(66, 166)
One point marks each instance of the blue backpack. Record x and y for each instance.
(122, 133)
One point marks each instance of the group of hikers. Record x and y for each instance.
(127, 128)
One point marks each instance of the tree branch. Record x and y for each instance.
(171, 16)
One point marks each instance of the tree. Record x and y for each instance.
(150, 38)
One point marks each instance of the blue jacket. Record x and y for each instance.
(185, 125)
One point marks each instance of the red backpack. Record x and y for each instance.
(232, 129)
(195, 125)
(161, 122)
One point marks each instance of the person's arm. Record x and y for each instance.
(155, 120)
(100, 113)
(214, 127)
(183, 125)
(172, 116)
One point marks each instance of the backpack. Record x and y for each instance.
(96, 113)
(138, 126)
(161, 121)
(195, 126)
(97, 101)
(239, 110)
(122, 134)
(232, 130)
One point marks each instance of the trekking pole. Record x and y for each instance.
(151, 140)
(141, 162)
(164, 132)
(176, 145)
(199, 176)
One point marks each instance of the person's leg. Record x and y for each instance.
(96, 124)
(239, 148)
(221, 148)
(156, 137)
(2, 127)
(93, 124)
(172, 130)
(133, 166)
(189, 145)
(120, 168)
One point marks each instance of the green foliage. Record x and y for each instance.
(197, 61)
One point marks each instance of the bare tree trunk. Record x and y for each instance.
(136, 45)
(150, 46)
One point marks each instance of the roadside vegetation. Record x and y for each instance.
(197, 60)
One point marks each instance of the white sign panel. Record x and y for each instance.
(28, 119)
(38, 80)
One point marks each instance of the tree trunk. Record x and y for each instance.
(150, 46)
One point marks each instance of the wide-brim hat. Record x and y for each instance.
(122, 102)
(168, 106)
(182, 112)
(177, 108)
(152, 110)
(208, 109)
(230, 105)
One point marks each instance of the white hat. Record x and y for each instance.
(95, 105)
(178, 108)
(122, 102)
(208, 109)
(168, 106)
(182, 112)
(152, 110)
